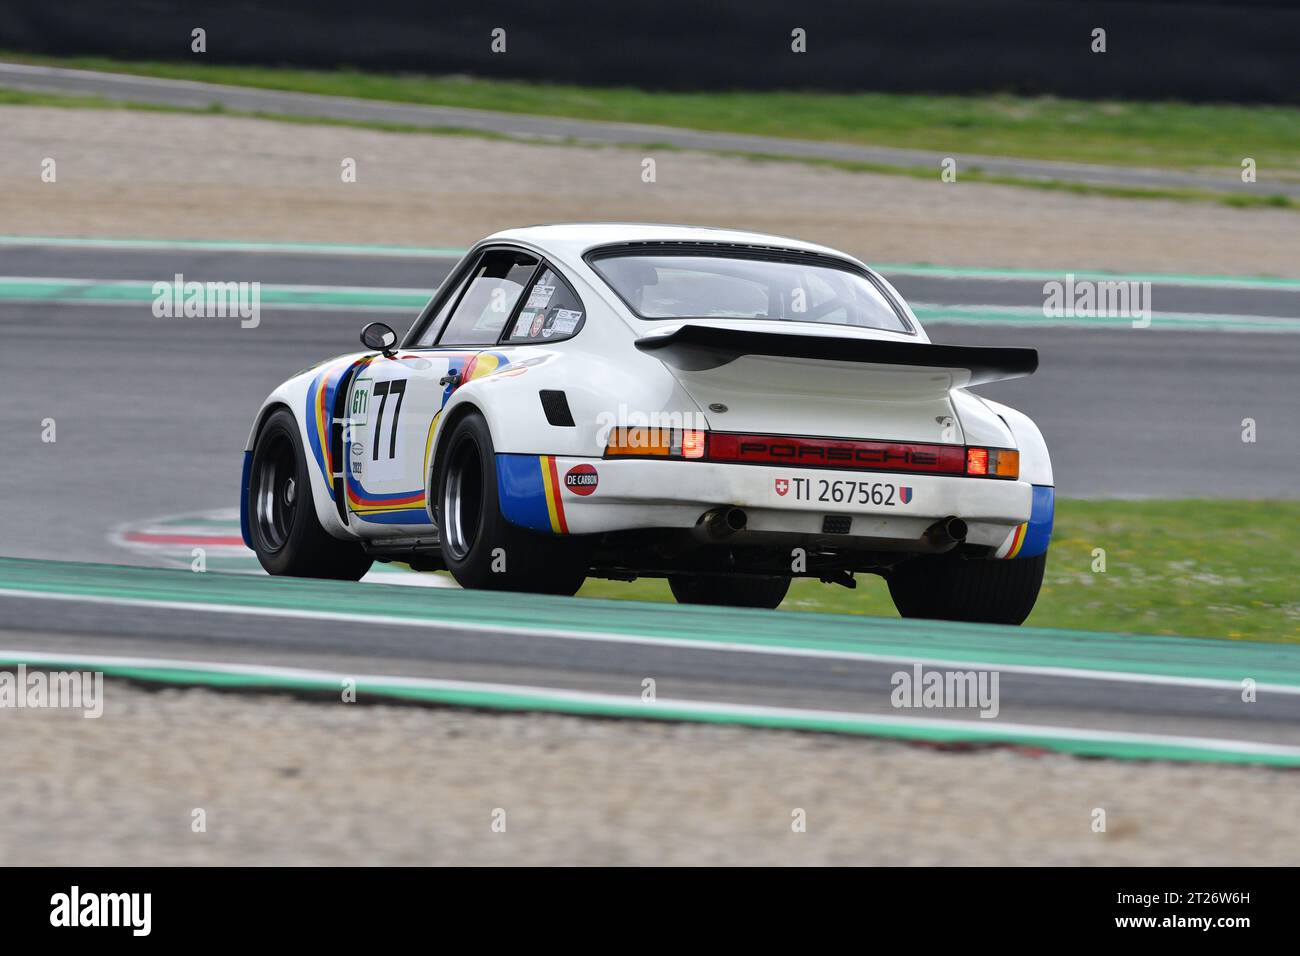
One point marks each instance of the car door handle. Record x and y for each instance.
(451, 378)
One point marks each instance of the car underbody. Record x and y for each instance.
(712, 547)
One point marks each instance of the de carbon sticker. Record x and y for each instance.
(581, 479)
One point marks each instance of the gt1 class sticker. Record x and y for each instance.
(565, 321)
(540, 297)
(845, 492)
(360, 400)
(581, 479)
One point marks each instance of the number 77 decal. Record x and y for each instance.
(383, 390)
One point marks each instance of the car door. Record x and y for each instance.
(395, 400)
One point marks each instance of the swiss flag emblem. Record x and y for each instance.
(782, 486)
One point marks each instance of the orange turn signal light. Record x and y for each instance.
(638, 441)
(1005, 463)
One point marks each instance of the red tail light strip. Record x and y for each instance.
(836, 453)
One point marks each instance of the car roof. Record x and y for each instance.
(571, 240)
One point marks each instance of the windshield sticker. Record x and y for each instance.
(523, 324)
(565, 321)
(541, 296)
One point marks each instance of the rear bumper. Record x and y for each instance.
(584, 496)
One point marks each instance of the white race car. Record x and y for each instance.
(724, 409)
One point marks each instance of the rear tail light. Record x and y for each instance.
(637, 441)
(993, 462)
(844, 453)
(693, 443)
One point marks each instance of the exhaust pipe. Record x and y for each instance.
(946, 533)
(722, 523)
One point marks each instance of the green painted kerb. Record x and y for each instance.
(23, 289)
(974, 734)
(443, 252)
(111, 293)
(704, 626)
(1184, 657)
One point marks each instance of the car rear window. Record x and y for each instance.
(659, 286)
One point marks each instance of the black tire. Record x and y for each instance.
(287, 535)
(471, 527)
(953, 589)
(729, 590)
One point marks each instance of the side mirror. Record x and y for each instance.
(379, 337)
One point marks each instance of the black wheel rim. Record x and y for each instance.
(275, 491)
(462, 498)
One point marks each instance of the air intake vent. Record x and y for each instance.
(837, 524)
(556, 407)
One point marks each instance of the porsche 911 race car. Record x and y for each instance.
(724, 409)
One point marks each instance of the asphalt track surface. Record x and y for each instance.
(192, 95)
(1092, 694)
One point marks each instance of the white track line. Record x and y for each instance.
(993, 730)
(358, 307)
(703, 645)
(957, 274)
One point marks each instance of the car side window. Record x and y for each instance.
(551, 312)
(431, 328)
(489, 299)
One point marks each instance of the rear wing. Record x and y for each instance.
(698, 348)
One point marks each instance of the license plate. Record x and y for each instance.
(844, 491)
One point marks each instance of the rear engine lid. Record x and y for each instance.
(775, 382)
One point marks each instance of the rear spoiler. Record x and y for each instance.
(698, 348)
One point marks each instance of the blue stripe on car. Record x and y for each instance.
(244, 530)
(522, 492)
(1039, 533)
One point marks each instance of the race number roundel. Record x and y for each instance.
(581, 479)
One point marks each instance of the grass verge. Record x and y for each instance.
(972, 174)
(1160, 134)
(1223, 569)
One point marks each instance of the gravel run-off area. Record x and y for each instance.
(291, 781)
(167, 175)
